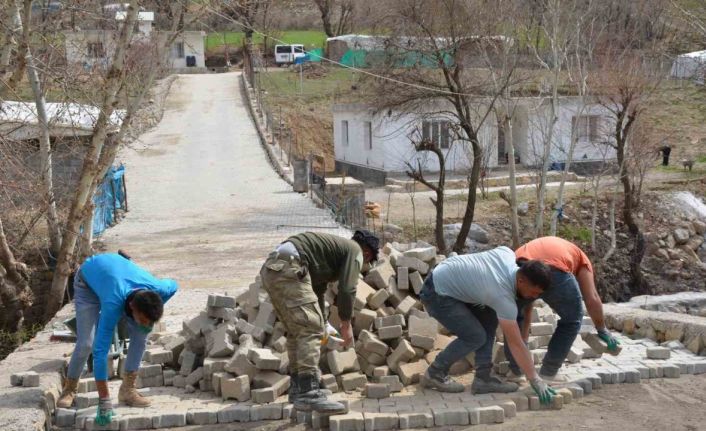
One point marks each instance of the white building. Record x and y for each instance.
(95, 48)
(371, 145)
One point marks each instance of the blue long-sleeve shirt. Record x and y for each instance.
(112, 278)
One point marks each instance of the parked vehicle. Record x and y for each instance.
(286, 54)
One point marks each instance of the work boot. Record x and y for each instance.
(436, 379)
(486, 384)
(311, 398)
(68, 393)
(293, 390)
(128, 392)
(519, 378)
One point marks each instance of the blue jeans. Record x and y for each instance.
(473, 325)
(88, 309)
(564, 297)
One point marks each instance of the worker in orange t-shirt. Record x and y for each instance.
(572, 279)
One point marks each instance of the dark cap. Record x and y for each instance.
(368, 239)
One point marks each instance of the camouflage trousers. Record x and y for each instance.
(296, 305)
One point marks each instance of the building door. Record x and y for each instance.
(502, 154)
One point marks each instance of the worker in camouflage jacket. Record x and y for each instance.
(295, 276)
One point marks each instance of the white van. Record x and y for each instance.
(286, 54)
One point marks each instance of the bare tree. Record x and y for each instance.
(437, 38)
(14, 75)
(626, 83)
(417, 174)
(12, 28)
(14, 288)
(336, 16)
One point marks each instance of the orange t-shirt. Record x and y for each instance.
(556, 252)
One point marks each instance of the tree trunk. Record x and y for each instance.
(91, 168)
(546, 157)
(86, 243)
(13, 28)
(45, 154)
(562, 184)
(472, 195)
(23, 47)
(325, 9)
(12, 282)
(514, 220)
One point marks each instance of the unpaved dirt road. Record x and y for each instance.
(205, 205)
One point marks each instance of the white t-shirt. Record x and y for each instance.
(486, 278)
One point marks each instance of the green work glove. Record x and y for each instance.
(609, 339)
(543, 390)
(105, 412)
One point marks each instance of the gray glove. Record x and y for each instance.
(543, 390)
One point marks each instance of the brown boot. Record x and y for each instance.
(68, 393)
(128, 392)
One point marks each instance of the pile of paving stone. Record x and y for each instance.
(236, 348)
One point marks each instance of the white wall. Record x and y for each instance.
(538, 126)
(392, 147)
(194, 44)
(77, 46)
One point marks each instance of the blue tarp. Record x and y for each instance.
(109, 197)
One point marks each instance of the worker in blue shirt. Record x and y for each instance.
(107, 288)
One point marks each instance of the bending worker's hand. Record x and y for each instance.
(105, 412)
(347, 333)
(609, 339)
(543, 390)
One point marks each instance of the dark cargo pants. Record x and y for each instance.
(297, 307)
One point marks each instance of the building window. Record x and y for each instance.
(437, 132)
(368, 134)
(586, 127)
(96, 50)
(179, 49)
(344, 132)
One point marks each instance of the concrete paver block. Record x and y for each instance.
(390, 332)
(243, 327)
(88, 399)
(426, 343)
(416, 420)
(413, 264)
(280, 345)
(392, 320)
(199, 325)
(188, 362)
(234, 413)
(406, 305)
(202, 417)
(64, 417)
(236, 388)
(409, 373)
(363, 320)
(264, 395)
(222, 301)
(374, 345)
(378, 299)
(342, 362)
(169, 420)
(150, 382)
(149, 370)
(362, 293)
(393, 382)
(404, 352)
(658, 353)
(270, 379)
(138, 422)
(425, 254)
(380, 275)
(671, 371)
(377, 390)
(193, 378)
(218, 341)
(423, 327)
(490, 414)
(597, 345)
(541, 328)
(227, 314)
(352, 381)
(380, 421)
(87, 385)
(158, 356)
(266, 317)
(266, 412)
(264, 359)
(402, 278)
(381, 371)
(416, 281)
(449, 417)
(352, 421)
